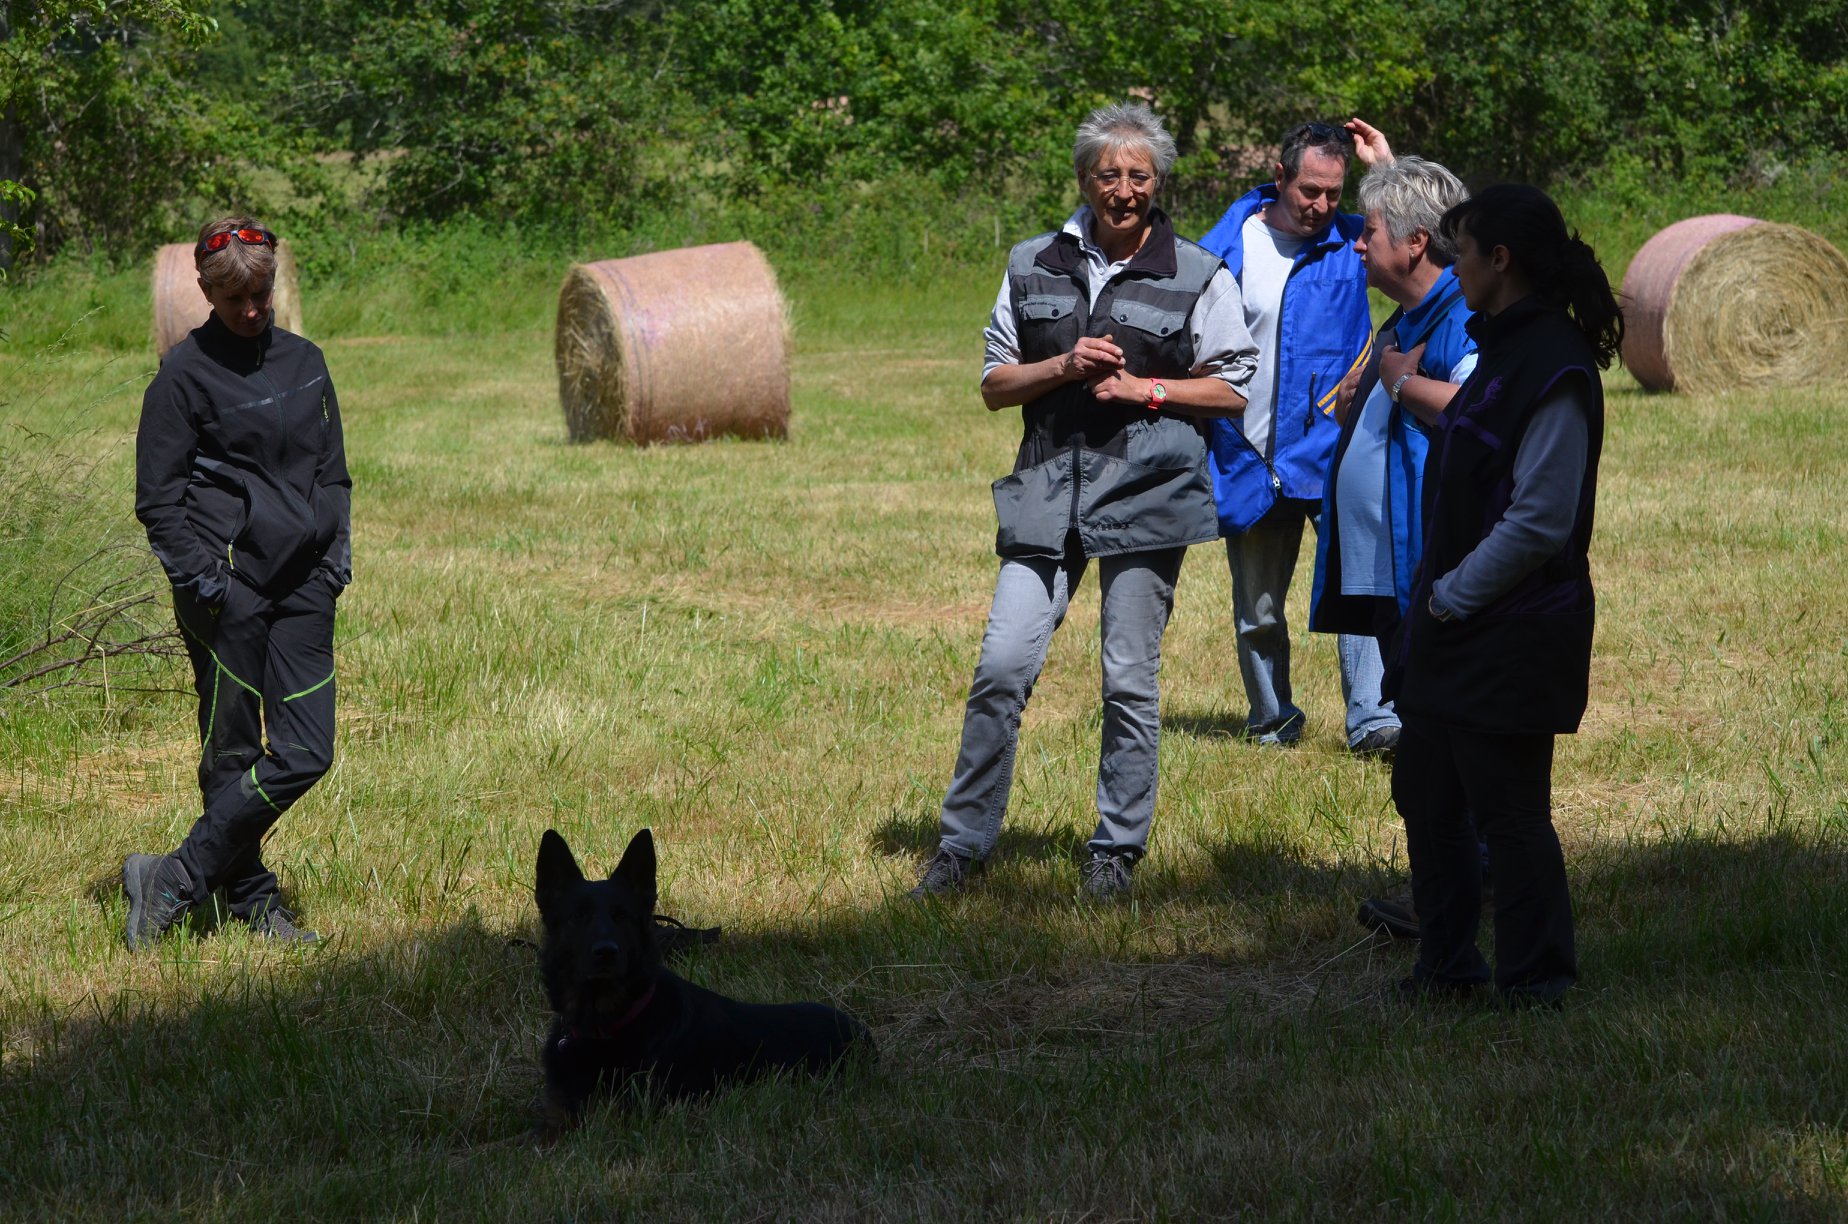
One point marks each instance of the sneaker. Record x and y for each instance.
(1286, 734)
(676, 938)
(1393, 915)
(278, 924)
(945, 873)
(1105, 877)
(159, 894)
(1380, 743)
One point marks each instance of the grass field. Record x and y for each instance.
(761, 651)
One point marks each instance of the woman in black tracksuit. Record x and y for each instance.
(241, 482)
(1495, 656)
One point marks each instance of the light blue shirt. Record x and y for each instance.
(1360, 493)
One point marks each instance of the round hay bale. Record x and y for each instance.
(677, 346)
(179, 306)
(1724, 302)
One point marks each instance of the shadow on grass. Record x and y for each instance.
(907, 835)
(220, 1078)
(1215, 725)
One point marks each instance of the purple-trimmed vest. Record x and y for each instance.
(1522, 664)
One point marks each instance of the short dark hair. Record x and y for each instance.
(1329, 139)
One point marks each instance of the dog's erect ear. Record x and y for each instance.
(637, 868)
(558, 870)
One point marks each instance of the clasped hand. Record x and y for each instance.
(1098, 362)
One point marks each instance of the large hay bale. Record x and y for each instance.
(678, 346)
(179, 306)
(1723, 302)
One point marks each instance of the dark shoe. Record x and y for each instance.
(278, 924)
(159, 894)
(946, 872)
(1105, 876)
(676, 938)
(1380, 743)
(1393, 915)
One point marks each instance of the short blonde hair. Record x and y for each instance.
(1412, 194)
(237, 264)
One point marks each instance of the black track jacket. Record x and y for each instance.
(240, 466)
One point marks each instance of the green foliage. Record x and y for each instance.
(590, 117)
(504, 108)
(103, 126)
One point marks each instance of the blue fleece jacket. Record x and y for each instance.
(1325, 331)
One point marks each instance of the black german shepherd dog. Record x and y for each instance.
(626, 1023)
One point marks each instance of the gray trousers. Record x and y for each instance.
(1263, 560)
(1031, 598)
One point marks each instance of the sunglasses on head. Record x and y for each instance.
(248, 235)
(1329, 132)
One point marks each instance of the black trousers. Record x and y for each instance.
(1442, 776)
(264, 671)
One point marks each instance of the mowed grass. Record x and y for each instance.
(761, 651)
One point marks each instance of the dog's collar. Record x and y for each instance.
(607, 1032)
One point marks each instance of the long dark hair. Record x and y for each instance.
(1561, 267)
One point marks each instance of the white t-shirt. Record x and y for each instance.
(1269, 256)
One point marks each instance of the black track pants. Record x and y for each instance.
(260, 666)
(1440, 777)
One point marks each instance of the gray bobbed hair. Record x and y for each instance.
(1123, 125)
(1413, 194)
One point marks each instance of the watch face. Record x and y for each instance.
(1159, 393)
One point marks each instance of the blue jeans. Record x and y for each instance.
(1031, 597)
(1263, 560)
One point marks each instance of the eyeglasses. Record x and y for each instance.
(248, 235)
(1108, 179)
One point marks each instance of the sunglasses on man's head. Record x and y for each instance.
(1328, 131)
(248, 235)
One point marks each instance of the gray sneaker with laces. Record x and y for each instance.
(278, 924)
(159, 894)
(1105, 876)
(946, 872)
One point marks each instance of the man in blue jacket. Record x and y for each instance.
(1305, 294)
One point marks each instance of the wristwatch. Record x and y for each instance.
(1158, 395)
(1438, 611)
(1398, 385)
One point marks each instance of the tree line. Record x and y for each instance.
(121, 119)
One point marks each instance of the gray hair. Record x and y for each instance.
(1413, 194)
(1123, 125)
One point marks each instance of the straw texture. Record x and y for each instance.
(179, 306)
(677, 346)
(1724, 302)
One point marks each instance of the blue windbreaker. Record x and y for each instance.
(1325, 331)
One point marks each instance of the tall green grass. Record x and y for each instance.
(761, 651)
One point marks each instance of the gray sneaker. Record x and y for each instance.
(946, 872)
(278, 924)
(1105, 876)
(159, 894)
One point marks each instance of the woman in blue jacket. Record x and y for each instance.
(241, 482)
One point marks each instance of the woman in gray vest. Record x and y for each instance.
(1116, 338)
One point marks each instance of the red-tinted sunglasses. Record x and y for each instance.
(249, 236)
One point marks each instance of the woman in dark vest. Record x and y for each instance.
(1495, 657)
(1116, 338)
